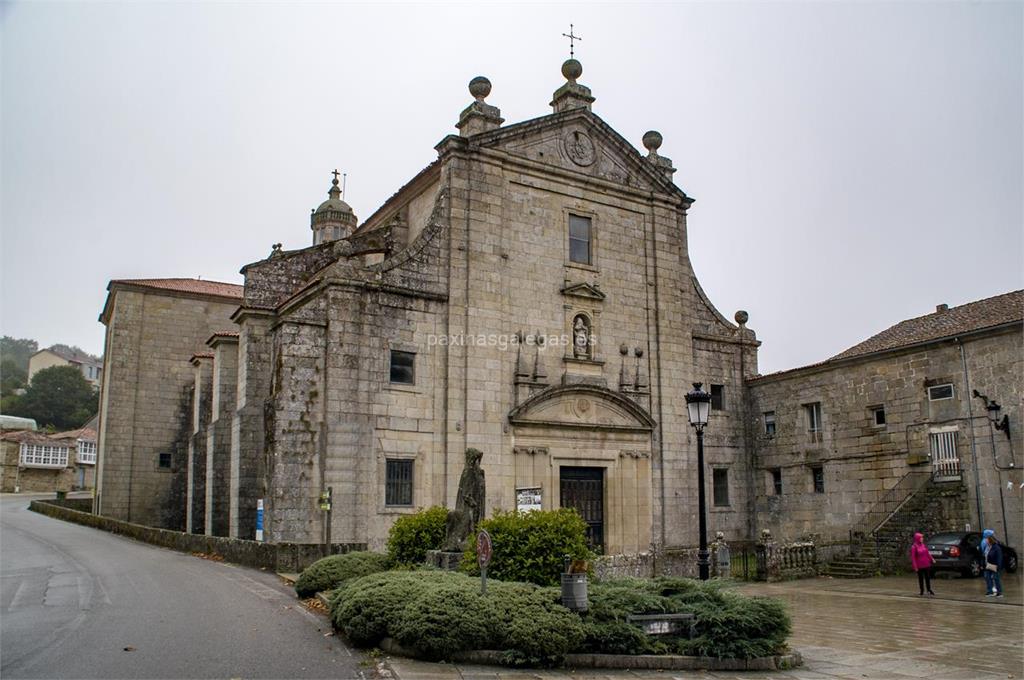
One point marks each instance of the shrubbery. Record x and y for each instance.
(530, 546)
(411, 536)
(727, 624)
(436, 613)
(327, 573)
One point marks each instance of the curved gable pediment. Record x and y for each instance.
(582, 406)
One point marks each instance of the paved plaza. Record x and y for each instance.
(864, 629)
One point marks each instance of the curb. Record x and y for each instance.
(627, 661)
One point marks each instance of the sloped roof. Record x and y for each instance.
(72, 356)
(199, 286)
(86, 433)
(973, 316)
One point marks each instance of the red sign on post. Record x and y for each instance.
(483, 549)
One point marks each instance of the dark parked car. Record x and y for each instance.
(961, 551)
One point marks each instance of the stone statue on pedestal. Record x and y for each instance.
(469, 504)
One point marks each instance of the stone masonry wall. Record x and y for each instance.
(860, 461)
(224, 390)
(150, 338)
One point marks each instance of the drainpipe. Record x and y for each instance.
(974, 449)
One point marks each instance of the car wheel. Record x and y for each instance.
(1011, 563)
(975, 569)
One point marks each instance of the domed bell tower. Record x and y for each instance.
(334, 218)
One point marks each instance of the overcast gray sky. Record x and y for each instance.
(854, 164)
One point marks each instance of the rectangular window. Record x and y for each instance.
(878, 416)
(86, 452)
(718, 397)
(813, 412)
(579, 239)
(163, 461)
(721, 486)
(769, 423)
(398, 482)
(403, 367)
(44, 455)
(818, 477)
(777, 481)
(940, 392)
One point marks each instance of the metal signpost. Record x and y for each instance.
(483, 557)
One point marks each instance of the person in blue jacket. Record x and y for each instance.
(993, 563)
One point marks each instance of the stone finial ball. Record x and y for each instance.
(572, 69)
(652, 140)
(741, 317)
(479, 87)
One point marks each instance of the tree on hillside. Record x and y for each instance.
(12, 377)
(18, 350)
(59, 397)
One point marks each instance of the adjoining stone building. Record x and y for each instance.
(842, 445)
(37, 462)
(529, 294)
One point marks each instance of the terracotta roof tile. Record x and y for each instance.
(85, 433)
(199, 286)
(973, 316)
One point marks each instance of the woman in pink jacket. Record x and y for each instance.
(921, 560)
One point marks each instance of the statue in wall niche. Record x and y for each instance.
(581, 337)
(469, 504)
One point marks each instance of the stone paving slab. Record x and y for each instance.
(866, 629)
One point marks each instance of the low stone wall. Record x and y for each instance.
(671, 562)
(282, 557)
(80, 504)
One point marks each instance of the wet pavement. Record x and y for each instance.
(861, 629)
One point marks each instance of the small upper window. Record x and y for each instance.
(721, 486)
(718, 397)
(777, 481)
(163, 461)
(580, 239)
(940, 392)
(878, 416)
(769, 423)
(813, 416)
(403, 367)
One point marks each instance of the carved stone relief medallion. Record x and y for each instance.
(580, 148)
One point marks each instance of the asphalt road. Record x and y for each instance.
(77, 602)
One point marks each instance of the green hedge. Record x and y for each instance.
(437, 613)
(411, 536)
(530, 546)
(728, 625)
(327, 573)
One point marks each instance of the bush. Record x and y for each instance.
(411, 536)
(328, 573)
(726, 624)
(436, 614)
(530, 546)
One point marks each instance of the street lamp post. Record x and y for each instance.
(698, 406)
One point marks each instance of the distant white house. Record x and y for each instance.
(91, 368)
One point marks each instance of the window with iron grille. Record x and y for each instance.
(818, 477)
(398, 482)
(403, 367)
(721, 486)
(943, 449)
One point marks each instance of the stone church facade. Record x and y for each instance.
(529, 294)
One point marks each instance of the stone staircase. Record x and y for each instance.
(880, 541)
(861, 565)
